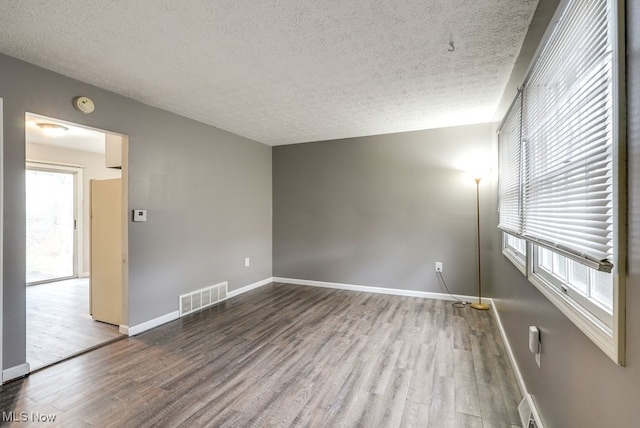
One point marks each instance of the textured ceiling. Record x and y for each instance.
(283, 71)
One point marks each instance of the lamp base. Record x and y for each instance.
(480, 306)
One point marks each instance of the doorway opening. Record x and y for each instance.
(64, 161)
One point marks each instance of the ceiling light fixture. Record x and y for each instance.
(53, 129)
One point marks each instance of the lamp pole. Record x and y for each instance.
(479, 305)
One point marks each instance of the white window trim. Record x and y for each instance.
(564, 287)
(518, 260)
(611, 340)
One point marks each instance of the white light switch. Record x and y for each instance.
(139, 215)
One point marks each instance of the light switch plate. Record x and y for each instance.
(139, 215)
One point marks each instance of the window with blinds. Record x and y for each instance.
(567, 129)
(560, 153)
(556, 158)
(510, 169)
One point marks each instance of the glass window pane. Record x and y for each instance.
(544, 259)
(560, 266)
(517, 244)
(602, 289)
(579, 277)
(50, 233)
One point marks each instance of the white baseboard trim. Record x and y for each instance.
(148, 325)
(83, 275)
(249, 287)
(516, 369)
(512, 358)
(15, 372)
(378, 290)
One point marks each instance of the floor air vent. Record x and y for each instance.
(529, 413)
(202, 298)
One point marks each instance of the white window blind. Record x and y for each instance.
(510, 168)
(567, 138)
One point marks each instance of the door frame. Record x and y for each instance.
(124, 328)
(125, 214)
(78, 180)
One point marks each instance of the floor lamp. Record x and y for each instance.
(479, 305)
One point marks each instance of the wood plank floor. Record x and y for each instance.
(59, 324)
(286, 355)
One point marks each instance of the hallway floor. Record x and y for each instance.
(59, 324)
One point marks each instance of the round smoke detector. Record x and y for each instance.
(83, 105)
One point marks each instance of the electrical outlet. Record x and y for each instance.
(247, 262)
(438, 266)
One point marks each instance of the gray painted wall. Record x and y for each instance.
(379, 211)
(208, 193)
(577, 384)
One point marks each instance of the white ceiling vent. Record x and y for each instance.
(202, 298)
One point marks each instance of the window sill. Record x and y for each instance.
(603, 336)
(517, 261)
